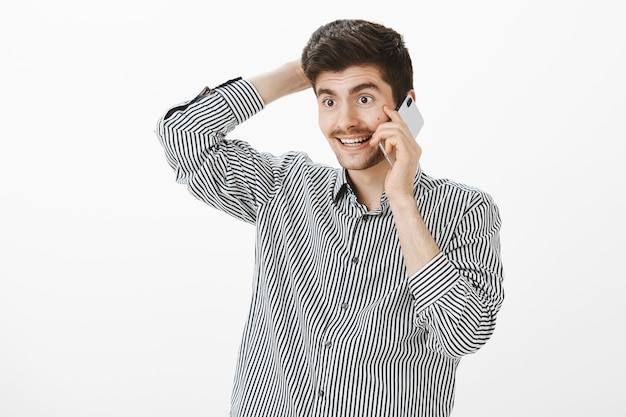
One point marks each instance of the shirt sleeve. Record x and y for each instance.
(226, 174)
(459, 293)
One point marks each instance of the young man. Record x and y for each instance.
(371, 281)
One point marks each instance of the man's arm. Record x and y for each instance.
(286, 79)
(458, 294)
(418, 245)
(457, 288)
(227, 174)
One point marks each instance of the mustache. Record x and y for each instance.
(358, 131)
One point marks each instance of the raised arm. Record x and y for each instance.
(286, 79)
(229, 174)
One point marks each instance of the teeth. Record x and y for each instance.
(354, 142)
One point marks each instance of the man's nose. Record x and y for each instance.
(347, 118)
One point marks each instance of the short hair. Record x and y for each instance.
(344, 43)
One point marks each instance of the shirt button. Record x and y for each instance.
(355, 260)
(328, 344)
(320, 393)
(344, 306)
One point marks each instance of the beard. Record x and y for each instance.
(361, 161)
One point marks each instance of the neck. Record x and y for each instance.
(369, 184)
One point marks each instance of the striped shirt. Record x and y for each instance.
(335, 326)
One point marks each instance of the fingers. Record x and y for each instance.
(397, 139)
(393, 114)
(391, 132)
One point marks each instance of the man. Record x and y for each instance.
(371, 281)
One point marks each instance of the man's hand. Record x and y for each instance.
(398, 140)
(287, 79)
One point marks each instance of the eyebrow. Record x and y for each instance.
(353, 90)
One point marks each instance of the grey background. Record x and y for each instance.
(122, 295)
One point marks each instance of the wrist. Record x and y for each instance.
(284, 80)
(402, 200)
(300, 80)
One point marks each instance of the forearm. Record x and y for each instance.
(418, 245)
(284, 80)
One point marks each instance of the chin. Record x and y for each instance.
(360, 165)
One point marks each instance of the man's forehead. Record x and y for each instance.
(350, 80)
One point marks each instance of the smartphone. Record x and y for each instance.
(412, 117)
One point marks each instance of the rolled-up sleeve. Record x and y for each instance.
(227, 174)
(459, 293)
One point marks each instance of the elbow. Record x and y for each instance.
(462, 335)
(468, 339)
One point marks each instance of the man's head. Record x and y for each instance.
(340, 44)
(356, 68)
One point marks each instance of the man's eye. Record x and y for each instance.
(329, 102)
(365, 99)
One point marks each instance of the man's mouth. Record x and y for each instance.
(354, 141)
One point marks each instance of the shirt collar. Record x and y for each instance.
(342, 185)
(417, 179)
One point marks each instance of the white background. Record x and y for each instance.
(121, 295)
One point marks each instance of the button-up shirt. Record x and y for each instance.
(335, 325)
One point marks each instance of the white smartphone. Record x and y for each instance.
(412, 117)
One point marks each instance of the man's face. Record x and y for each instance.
(350, 104)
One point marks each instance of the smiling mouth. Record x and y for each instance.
(354, 141)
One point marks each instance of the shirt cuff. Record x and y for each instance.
(432, 282)
(241, 96)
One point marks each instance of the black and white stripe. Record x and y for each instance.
(335, 326)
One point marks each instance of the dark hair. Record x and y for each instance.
(343, 43)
